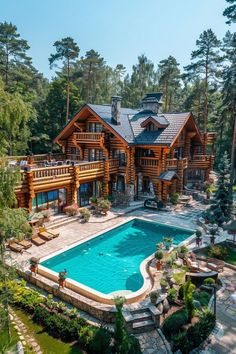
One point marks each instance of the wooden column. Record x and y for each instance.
(180, 172)
(106, 179)
(75, 184)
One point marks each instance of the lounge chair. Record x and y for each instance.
(15, 247)
(215, 264)
(54, 233)
(45, 234)
(195, 266)
(25, 243)
(38, 241)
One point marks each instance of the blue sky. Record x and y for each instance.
(119, 30)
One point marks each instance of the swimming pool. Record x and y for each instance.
(111, 261)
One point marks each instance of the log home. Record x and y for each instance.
(107, 148)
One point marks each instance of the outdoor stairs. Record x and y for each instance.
(60, 220)
(141, 319)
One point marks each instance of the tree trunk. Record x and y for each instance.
(68, 91)
(233, 153)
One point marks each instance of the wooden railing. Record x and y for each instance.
(148, 161)
(171, 163)
(86, 166)
(87, 137)
(50, 171)
(201, 161)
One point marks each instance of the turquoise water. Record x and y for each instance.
(111, 261)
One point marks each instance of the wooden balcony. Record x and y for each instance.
(148, 165)
(46, 178)
(201, 162)
(174, 164)
(88, 138)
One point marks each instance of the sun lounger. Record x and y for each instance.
(24, 243)
(15, 247)
(54, 233)
(38, 241)
(45, 234)
(215, 264)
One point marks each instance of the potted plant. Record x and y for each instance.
(159, 256)
(174, 199)
(182, 251)
(198, 237)
(46, 215)
(93, 201)
(164, 285)
(62, 278)
(34, 262)
(153, 296)
(167, 242)
(213, 232)
(104, 205)
(85, 214)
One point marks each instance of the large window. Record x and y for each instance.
(95, 155)
(54, 200)
(87, 190)
(121, 155)
(95, 127)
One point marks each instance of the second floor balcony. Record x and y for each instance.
(88, 137)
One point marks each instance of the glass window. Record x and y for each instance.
(95, 127)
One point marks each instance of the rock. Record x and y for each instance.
(160, 307)
(166, 306)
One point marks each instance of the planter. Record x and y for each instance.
(61, 283)
(105, 210)
(159, 265)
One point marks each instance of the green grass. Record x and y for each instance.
(48, 344)
(4, 345)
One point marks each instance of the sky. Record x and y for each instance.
(120, 30)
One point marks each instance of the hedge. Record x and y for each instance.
(174, 322)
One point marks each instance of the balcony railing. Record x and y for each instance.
(88, 137)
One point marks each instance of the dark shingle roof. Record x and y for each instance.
(130, 128)
(168, 175)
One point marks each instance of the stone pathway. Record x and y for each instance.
(152, 343)
(25, 337)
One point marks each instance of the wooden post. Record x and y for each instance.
(75, 184)
(30, 188)
(180, 172)
(105, 187)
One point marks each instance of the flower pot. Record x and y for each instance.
(61, 283)
(159, 265)
(105, 210)
(33, 268)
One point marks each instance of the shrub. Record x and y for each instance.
(172, 294)
(202, 296)
(159, 255)
(209, 281)
(219, 252)
(104, 204)
(71, 210)
(153, 296)
(85, 214)
(101, 341)
(93, 199)
(180, 342)
(183, 249)
(172, 324)
(130, 345)
(174, 198)
(85, 335)
(188, 288)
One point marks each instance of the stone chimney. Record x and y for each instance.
(152, 102)
(116, 109)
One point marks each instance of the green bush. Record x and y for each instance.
(85, 335)
(174, 198)
(100, 343)
(172, 294)
(181, 292)
(180, 342)
(202, 296)
(129, 345)
(219, 252)
(209, 281)
(173, 323)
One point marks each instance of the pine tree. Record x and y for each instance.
(221, 209)
(205, 65)
(230, 12)
(169, 81)
(66, 51)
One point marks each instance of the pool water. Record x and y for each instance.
(111, 262)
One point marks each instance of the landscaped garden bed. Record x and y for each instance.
(225, 251)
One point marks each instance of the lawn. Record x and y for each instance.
(48, 344)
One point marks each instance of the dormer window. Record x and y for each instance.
(153, 123)
(151, 127)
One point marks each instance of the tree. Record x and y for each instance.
(228, 108)
(230, 12)
(15, 114)
(169, 75)
(118, 75)
(66, 51)
(12, 49)
(221, 209)
(205, 65)
(188, 289)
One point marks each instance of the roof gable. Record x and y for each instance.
(158, 121)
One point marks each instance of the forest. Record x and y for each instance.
(33, 110)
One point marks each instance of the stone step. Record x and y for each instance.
(58, 224)
(137, 317)
(143, 326)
